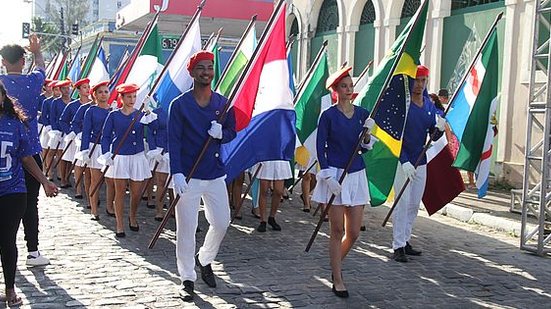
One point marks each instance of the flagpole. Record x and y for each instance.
(157, 80)
(236, 50)
(231, 97)
(434, 134)
(310, 71)
(365, 130)
(364, 72)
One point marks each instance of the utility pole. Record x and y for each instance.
(62, 24)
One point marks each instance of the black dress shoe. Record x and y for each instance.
(261, 227)
(206, 273)
(410, 251)
(158, 219)
(94, 218)
(79, 196)
(120, 234)
(133, 228)
(151, 206)
(400, 255)
(341, 294)
(254, 214)
(186, 291)
(272, 222)
(109, 213)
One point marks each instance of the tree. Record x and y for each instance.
(74, 12)
(50, 44)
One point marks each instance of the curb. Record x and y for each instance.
(467, 215)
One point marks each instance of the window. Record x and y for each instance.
(460, 4)
(328, 18)
(410, 7)
(368, 13)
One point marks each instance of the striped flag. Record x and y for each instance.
(176, 79)
(98, 71)
(264, 114)
(471, 114)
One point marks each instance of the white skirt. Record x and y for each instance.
(355, 190)
(163, 167)
(69, 155)
(134, 167)
(94, 158)
(273, 170)
(52, 145)
(313, 170)
(44, 139)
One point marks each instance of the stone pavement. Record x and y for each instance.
(463, 265)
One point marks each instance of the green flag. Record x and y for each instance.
(382, 160)
(234, 69)
(310, 102)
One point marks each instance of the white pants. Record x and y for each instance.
(407, 208)
(217, 212)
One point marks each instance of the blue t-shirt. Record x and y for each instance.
(337, 138)
(113, 131)
(56, 109)
(94, 118)
(188, 125)
(14, 145)
(27, 90)
(157, 135)
(420, 122)
(45, 108)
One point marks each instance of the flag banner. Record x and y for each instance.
(263, 106)
(176, 79)
(381, 162)
(471, 112)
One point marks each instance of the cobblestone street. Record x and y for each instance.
(462, 266)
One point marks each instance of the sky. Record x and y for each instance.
(16, 12)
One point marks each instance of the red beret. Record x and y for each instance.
(82, 81)
(422, 71)
(127, 88)
(53, 83)
(47, 82)
(63, 83)
(96, 86)
(336, 77)
(199, 56)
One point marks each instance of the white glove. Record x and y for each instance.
(409, 170)
(46, 129)
(69, 136)
(166, 158)
(148, 118)
(330, 179)
(369, 145)
(215, 130)
(106, 159)
(180, 184)
(440, 123)
(156, 154)
(369, 124)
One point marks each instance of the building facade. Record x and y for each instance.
(362, 30)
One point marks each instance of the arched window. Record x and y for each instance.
(294, 27)
(368, 13)
(460, 4)
(410, 7)
(329, 16)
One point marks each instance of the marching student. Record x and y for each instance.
(26, 89)
(271, 171)
(45, 121)
(338, 131)
(17, 152)
(56, 142)
(66, 124)
(158, 144)
(76, 127)
(423, 118)
(90, 148)
(130, 165)
(46, 93)
(193, 119)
